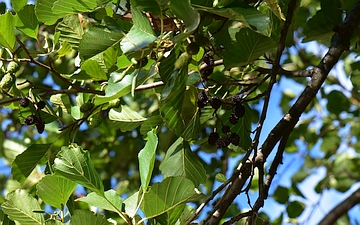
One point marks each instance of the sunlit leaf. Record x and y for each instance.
(166, 195)
(147, 159)
(27, 21)
(125, 119)
(70, 30)
(110, 201)
(7, 34)
(20, 206)
(75, 164)
(55, 190)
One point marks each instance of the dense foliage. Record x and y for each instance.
(135, 112)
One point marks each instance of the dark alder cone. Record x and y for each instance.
(234, 139)
(239, 110)
(24, 102)
(213, 137)
(40, 125)
(235, 99)
(40, 105)
(30, 120)
(208, 59)
(215, 102)
(233, 119)
(225, 129)
(207, 72)
(202, 99)
(222, 142)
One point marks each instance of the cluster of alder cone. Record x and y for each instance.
(238, 111)
(33, 119)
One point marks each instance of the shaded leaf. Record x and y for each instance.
(92, 68)
(4, 219)
(180, 161)
(98, 39)
(75, 164)
(26, 162)
(249, 46)
(87, 217)
(20, 206)
(294, 209)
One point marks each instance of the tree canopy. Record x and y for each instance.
(155, 111)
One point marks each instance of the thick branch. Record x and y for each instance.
(341, 208)
(340, 43)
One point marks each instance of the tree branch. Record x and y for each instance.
(340, 43)
(341, 208)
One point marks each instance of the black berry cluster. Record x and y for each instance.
(215, 102)
(238, 110)
(33, 119)
(221, 142)
(202, 99)
(208, 59)
(24, 102)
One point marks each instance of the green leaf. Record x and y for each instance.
(70, 6)
(53, 222)
(98, 39)
(131, 204)
(110, 201)
(55, 190)
(275, 8)
(44, 13)
(172, 100)
(7, 34)
(151, 123)
(248, 47)
(140, 35)
(18, 5)
(220, 177)
(171, 217)
(180, 161)
(136, 40)
(94, 70)
(75, 164)
(20, 206)
(184, 11)
(337, 102)
(147, 159)
(318, 28)
(294, 209)
(166, 195)
(281, 195)
(4, 219)
(27, 21)
(249, 17)
(116, 89)
(70, 30)
(125, 119)
(26, 162)
(87, 217)
(152, 6)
